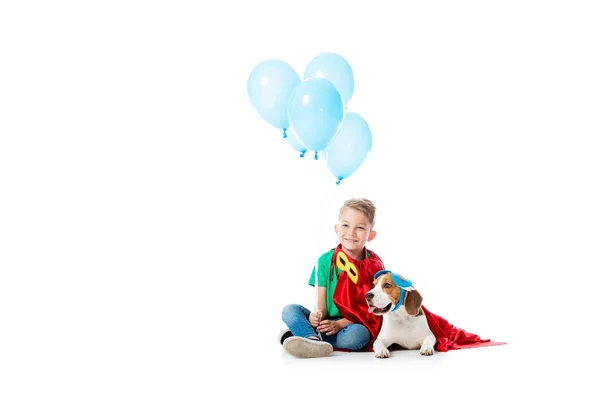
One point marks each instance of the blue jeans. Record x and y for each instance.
(352, 337)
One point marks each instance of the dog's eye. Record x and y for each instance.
(387, 286)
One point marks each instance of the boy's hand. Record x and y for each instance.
(329, 327)
(315, 318)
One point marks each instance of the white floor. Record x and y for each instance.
(502, 372)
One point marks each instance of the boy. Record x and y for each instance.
(345, 275)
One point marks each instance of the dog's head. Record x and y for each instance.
(390, 292)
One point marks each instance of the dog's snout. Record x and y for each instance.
(369, 295)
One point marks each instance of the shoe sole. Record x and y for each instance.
(301, 347)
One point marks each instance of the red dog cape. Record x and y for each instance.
(449, 337)
(354, 281)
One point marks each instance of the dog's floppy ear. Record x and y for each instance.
(413, 301)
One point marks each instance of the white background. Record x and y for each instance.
(153, 226)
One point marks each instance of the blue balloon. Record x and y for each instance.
(350, 147)
(334, 68)
(293, 141)
(270, 86)
(315, 111)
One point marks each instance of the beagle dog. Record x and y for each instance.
(399, 303)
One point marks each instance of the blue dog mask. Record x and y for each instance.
(405, 285)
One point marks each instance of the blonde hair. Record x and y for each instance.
(363, 205)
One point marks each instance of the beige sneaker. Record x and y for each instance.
(306, 348)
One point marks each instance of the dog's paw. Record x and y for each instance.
(382, 353)
(426, 350)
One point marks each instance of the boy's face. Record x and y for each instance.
(353, 231)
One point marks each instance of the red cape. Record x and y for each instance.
(350, 297)
(449, 337)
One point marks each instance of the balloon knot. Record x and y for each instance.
(338, 182)
(316, 155)
(302, 153)
(284, 133)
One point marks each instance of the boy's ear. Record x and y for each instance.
(372, 235)
(336, 228)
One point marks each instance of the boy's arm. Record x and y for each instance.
(322, 306)
(322, 301)
(314, 318)
(343, 322)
